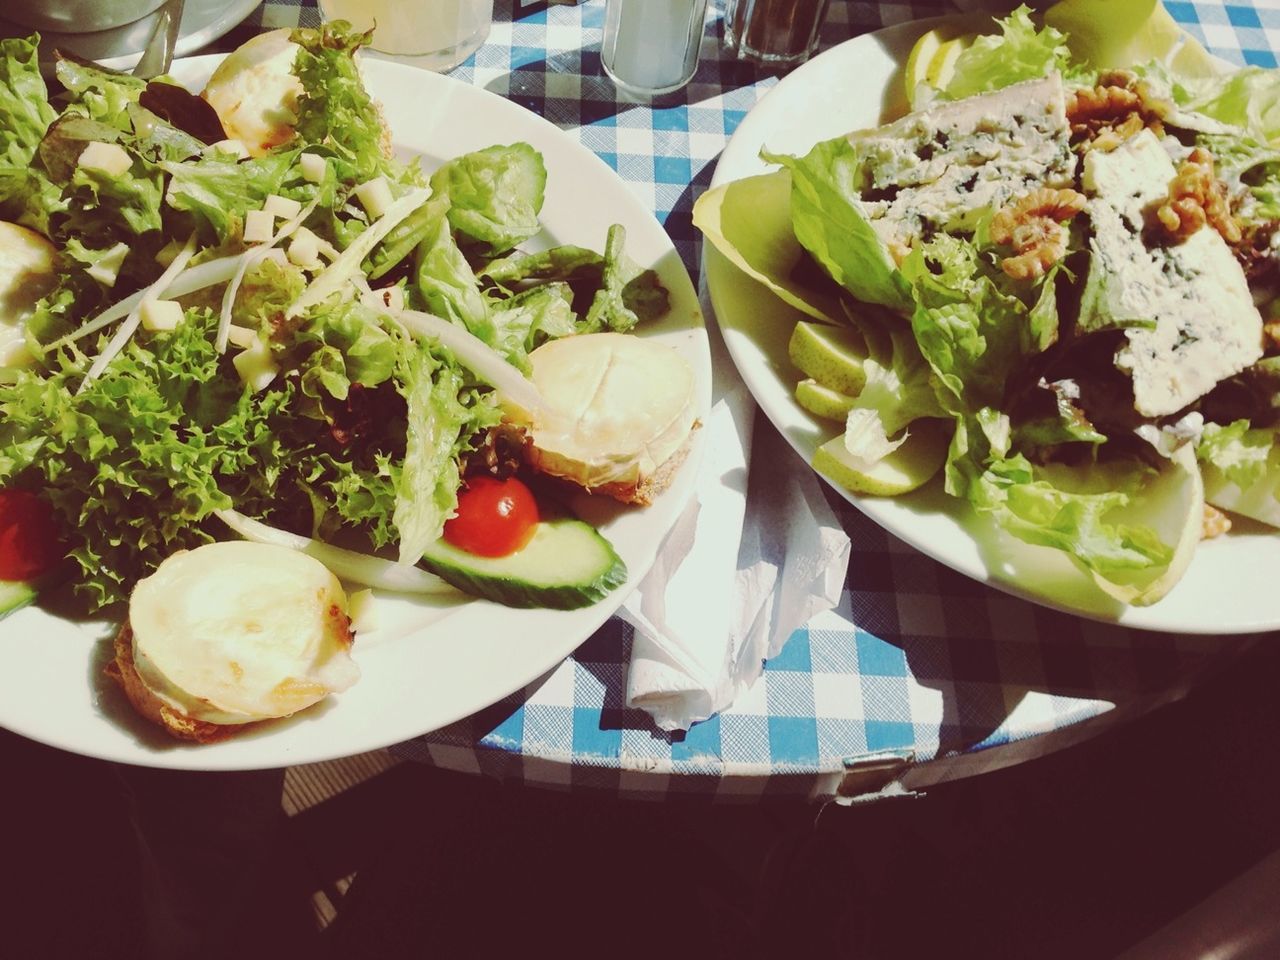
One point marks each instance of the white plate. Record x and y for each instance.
(1229, 587)
(423, 666)
(203, 21)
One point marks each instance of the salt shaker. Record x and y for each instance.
(650, 47)
(773, 33)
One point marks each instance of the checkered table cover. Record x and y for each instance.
(918, 659)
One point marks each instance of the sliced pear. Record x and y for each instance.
(617, 410)
(26, 274)
(833, 356)
(823, 401)
(1172, 504)
(932, 60)
(905, 469)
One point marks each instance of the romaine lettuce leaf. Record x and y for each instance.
(828, 220)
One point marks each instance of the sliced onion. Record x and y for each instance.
(345, 564)
(196, 278)
(347, 264)
(476, 355)
(126, 330)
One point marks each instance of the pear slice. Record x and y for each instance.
(618, 411)
(906, 468)
(823, 401)
(255, 92)
(833, 356)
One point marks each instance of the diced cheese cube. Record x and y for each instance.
(110, 158)
(313, 166)
(259, 226)
(164, 256)
(282, 207)
(234, 147)
(161, 316)
(304, 249)
(255, 366)
(375, 196)
(108, 266)
(363, 611)
(241, 337)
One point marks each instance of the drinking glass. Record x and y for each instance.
(650, 47)
(773, 33)
(432, 34)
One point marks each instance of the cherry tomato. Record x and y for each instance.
(495, 517)
(29, 543)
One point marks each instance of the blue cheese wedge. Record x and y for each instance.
(944, 168)
(1188, 316)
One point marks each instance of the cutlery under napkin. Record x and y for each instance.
(745, 565)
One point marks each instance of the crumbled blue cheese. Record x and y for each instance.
(943, 168)
(1188, 315)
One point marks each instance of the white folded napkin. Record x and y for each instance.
(742, 568)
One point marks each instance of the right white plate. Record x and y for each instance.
(1230, 586)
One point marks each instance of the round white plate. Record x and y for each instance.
(423, 665)
(203, 21)
(1229, 587)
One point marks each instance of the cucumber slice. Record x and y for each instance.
(566, 565)
(14, 595)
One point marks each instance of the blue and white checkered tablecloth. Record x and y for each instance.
(919, 661)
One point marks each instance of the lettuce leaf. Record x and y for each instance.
(1020, 52)
(218, 190)
(827, 217)
(335, 109)
(495, 195)
(1248, 98)
(24, 101)
(1237, 451)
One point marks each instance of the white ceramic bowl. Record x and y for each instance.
(79, 16)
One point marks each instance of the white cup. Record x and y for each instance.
(78, 16)
(432, 34)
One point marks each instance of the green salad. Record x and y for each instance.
(1055, 284)
(268, 321)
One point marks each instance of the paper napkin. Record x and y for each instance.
(751, 559)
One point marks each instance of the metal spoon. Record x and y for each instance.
(157, 55)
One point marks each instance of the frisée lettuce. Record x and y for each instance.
(316, 339)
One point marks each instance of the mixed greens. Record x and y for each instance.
(334, 378)
(1029, 372)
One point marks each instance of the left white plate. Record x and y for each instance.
(422, 666)
(203, 21)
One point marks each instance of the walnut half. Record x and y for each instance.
(1033, 226)
(1197, 197)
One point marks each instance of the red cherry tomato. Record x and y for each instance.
(495, 517)
(29, 543)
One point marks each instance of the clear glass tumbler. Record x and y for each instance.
(650, 47)
(773, 33)
(432, 34)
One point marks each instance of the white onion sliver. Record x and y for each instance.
(485, 362)
(189, 281)
(126, 330)
(347, 264)
(344, 564)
